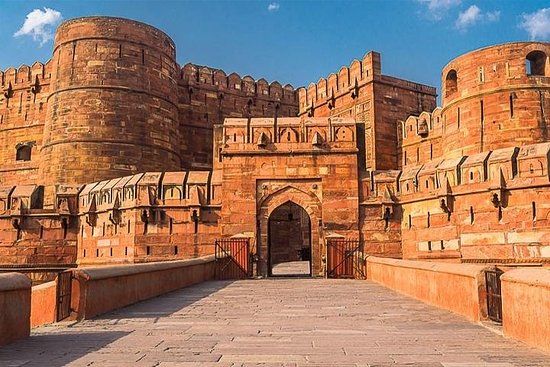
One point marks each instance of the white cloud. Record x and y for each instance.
(438, 8)
(493, 16)
(468, 17)
(273, 7)
(40, 24)
(474, 15)
(537, 24)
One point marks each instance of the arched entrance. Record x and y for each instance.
(306, 200)
(289, 241)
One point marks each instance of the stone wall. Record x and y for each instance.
(23, 104)
(149, 217)
(38, 227)
(206, 96)
(375, 101)
(491, 206)
(112, 101)
(475, 183)
(15, 303)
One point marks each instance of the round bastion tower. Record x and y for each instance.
(112, 110)
(496, 97)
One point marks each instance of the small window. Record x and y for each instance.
(451, 83)
(481, 74)
(535, 63)
(23, 152)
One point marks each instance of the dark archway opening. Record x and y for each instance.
(535, 63)
(289, 241)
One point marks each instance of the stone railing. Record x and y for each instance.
(526, 306)
(459, 288)
(15, 307)
(97, 290)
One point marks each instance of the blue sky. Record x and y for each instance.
(294, 42)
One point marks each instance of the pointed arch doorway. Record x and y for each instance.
(289, 241)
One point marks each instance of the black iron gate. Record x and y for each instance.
(64, 280)
(233, 258)
(345, 259)
(494, 297)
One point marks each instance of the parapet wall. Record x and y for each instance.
(15, 303)
(107, 288)
(150, 216)
(459, 288)
(525, 303)
(44, 304)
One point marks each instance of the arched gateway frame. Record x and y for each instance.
(307, 202)
(289, 241)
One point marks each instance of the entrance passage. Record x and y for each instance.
(289, 242)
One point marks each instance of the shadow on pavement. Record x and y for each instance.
(56, 349)
(167, 304)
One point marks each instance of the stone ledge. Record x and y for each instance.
(536, 277)
(466, 270)
(14, 282)
(105, 272)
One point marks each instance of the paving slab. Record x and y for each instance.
(274, 322)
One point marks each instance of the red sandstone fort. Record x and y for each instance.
(113, 153)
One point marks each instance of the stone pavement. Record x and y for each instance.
(292, 268)
(280, 322)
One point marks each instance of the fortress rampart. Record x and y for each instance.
(113, 153)
(113, 101)
(475, 179)
(496, 97)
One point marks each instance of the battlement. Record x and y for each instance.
(216, 79)
(350, 79)
(528, 165)
(25, 74)
(149, 189)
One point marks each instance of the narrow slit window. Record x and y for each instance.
(481, 112)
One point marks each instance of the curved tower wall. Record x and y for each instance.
(112, 110)
(493, 102)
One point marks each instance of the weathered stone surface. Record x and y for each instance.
(274, 323)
